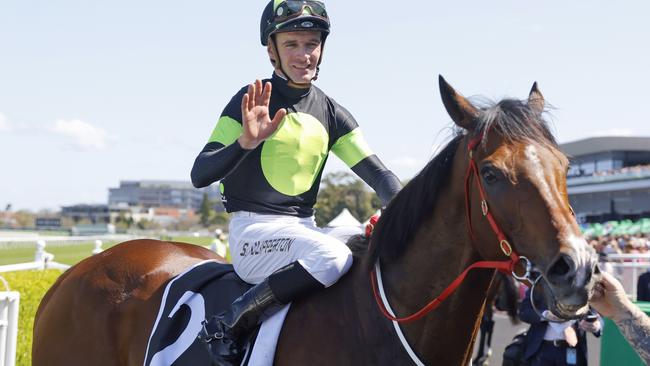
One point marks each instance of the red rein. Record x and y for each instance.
(505, 266)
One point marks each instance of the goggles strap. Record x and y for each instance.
(279, 60)
(322, 50)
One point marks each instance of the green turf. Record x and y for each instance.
(72, 254)
(202, 240)
(66, 254)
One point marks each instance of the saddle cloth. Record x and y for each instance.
(203, 290)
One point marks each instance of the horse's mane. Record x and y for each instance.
(514, 120)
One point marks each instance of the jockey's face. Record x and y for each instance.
(299, 53)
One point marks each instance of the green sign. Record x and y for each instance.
(614, 349)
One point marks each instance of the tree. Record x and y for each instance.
(25, 219)
(145, 224)
(206, 211)
(340, 190)
(220, 219)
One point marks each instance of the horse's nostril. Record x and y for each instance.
(561, 267)
(597, 269)
(588, 275)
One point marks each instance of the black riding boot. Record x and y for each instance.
(225, 334)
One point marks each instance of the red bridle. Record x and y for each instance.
(504, 266)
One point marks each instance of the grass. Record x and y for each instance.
(66, 254)
(32, 286)
(72, 254)
(201, 240)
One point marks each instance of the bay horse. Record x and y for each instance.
(501, 180)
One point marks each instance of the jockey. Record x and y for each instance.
(268, 151)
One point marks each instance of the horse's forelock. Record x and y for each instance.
(515, 121)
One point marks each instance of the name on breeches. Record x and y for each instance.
(267, 246)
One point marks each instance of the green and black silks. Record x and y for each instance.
(282, 175)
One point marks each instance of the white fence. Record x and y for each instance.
(29, 240)
(627, 268)
(42, 260)
(9, 301)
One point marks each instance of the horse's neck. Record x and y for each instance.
(351, 330)
(440, 251)
(354, 331)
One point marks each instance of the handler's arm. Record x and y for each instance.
(610, 300)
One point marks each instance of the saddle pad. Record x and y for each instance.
(203, 290)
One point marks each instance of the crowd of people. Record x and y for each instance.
(636, 169)
(621, 244)
(625, 170)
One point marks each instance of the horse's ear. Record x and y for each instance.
(536, 99)
(461, 111)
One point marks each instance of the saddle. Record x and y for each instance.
(201, 291)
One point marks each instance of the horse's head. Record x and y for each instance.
(522, 174)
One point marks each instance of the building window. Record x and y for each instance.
(604, 165)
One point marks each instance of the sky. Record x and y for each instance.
(92, 93)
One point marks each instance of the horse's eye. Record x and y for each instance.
(489, 176)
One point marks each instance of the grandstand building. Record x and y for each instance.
(158, 193)
(609, 178)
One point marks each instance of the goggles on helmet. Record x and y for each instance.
(291, 9)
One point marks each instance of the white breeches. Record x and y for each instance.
(260, 244)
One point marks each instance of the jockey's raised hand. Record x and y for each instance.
(256, 120)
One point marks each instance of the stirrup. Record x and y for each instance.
(223, 349)
(206, 336)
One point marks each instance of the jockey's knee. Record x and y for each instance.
(331, 264)
(342, 262)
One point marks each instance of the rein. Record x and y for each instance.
(507, 266)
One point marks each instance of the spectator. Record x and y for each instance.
(551, 342)
(612, 248)
(643, 287)
(218, 244)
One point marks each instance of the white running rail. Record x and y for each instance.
(9, 301)
(42, 260)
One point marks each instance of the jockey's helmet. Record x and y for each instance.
(293, 15)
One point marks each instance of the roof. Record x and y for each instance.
(594, 145)
(151, 183)
(345, 218)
